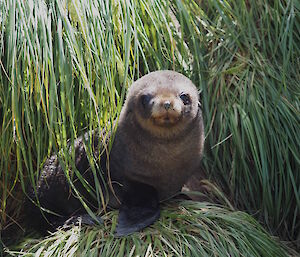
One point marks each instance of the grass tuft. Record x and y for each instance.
(185, 228)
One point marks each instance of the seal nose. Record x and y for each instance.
(167, 105)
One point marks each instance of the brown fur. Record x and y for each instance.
(160, 147)
(158, 142)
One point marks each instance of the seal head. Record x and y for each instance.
(163, 103)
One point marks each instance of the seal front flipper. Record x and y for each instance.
(139, 208)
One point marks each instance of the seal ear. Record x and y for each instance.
(139, 209)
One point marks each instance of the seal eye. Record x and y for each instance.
(145, 99)
(185, 98)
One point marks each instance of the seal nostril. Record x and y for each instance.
(167, 105)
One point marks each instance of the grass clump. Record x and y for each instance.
(185, 228)
(248, 56)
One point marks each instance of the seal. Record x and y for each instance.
(157, 147)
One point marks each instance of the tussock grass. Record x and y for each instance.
(250, 68)
(185, 229)
(65, 67)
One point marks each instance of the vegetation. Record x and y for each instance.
(184, 229)
(65, 67)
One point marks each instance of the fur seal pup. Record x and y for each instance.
(158, 145)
